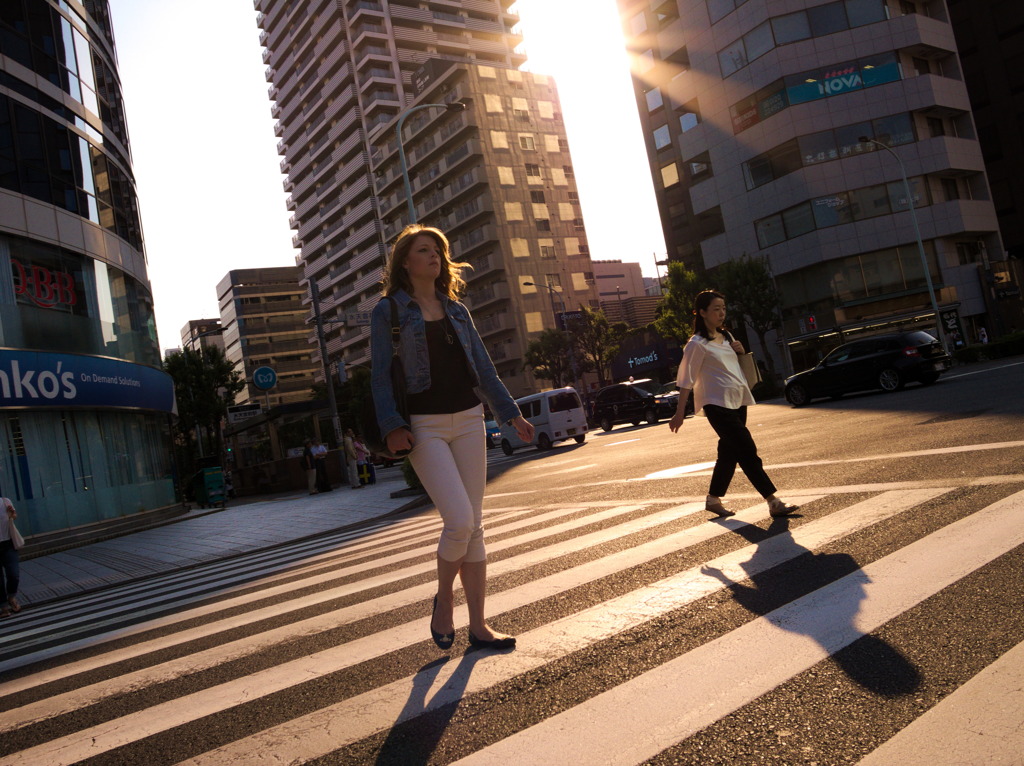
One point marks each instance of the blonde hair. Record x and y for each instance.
(449, 282)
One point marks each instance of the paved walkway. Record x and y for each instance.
(203, 536)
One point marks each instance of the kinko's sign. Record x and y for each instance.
(38, 379)
(42, 286)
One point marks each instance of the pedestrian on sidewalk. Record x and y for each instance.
(323, 484)
(9, 560)
(309, 465)
(364, 463)
(351, 459)
(445, 364)
(711, 369)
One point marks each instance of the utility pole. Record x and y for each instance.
(332, 403)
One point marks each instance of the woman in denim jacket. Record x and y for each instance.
(447, 371)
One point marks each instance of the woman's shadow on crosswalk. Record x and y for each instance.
(866, 659)
(422, 722)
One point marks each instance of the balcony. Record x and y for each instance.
(477, 299)
(496, 323)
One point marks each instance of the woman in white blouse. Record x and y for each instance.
(711, 369)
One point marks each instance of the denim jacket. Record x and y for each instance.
(416, 361)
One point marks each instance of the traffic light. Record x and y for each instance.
(811, 324)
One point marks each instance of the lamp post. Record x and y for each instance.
(455, 106)
(572, 353)
(917, 236)
(332, 403)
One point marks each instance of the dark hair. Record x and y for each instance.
(449, 282)
(701, 303)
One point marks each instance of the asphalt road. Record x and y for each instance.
(860, 628)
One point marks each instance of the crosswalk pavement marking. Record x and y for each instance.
(366, 714)
(198, 661)
(978, 723)
(638, 719)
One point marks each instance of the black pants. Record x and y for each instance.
(735, 447)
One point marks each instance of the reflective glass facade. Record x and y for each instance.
(84, 424)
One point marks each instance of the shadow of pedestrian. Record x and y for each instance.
(866, 659)
(422, 722)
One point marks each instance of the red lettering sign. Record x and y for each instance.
(45, 288)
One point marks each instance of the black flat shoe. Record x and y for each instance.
(498, 643)
(443, 640)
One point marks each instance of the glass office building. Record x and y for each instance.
(84, 404)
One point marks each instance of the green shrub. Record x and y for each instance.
(1008, 345)
(409, 474)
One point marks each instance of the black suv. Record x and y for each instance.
(631, 402)
(887, 362)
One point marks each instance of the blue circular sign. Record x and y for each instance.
(264, 378)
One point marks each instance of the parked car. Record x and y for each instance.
(669, 392)
(493, 433)
(632, 402)
(556, 415)
(887, 362)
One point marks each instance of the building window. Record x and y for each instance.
(577, 223)
(574, 196)
(536, 195)
(492, 103)
(669, 175)
(679, 61)
(662, 137)
(513, 211)
(700, 166)
(921, 66)
(543, 224)
(567, 169)
(968, 252)
(950, 190)
(532, 171)
(505, 176)
(654, 99)
(689, 116)
(936, 127)
(526, 142)
(499, 140)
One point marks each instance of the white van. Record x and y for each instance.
(556, 415)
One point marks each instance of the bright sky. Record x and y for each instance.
(205, 153)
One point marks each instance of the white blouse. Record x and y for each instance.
(713, 371)
(5, 526)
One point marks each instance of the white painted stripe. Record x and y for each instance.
(242, 647)
(978, 723)
(642, 717)
(980, 372)
(323, 731)
(624, 441)
(75, 619)
(572, 470)
(670, 472)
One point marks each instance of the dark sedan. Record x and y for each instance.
(887, 362)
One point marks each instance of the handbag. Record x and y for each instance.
(373, 439)
(748, 365)
(16, 539)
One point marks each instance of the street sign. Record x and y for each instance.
(358, 318)
(264, 378)
(239, 412)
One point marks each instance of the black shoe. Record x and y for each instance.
(443, 640)
(507, 642)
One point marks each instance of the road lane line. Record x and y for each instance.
(640, 718)
(343, 723)
(978, 723)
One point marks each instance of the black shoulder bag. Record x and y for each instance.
(374, 440)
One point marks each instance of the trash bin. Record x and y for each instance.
(208, 483)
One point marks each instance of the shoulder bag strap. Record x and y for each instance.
(396, 329)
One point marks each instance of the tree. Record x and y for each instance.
(548, 356)
(748, 285)
(598, 340)
(205, 383)
(674, 315)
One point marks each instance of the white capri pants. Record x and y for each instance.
(450, 458)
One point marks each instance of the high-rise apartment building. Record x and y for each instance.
(84, 403)
(340, 73)
(264, 325)
(202, 333)
(759, 118)
(497, 178)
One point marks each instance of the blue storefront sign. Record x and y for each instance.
(264, 378)
(41, 379)
(840, 80)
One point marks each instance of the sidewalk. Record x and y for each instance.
(203, 536)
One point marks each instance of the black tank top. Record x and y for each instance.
(451, 385)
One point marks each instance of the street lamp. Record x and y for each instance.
(554, 292)
(917, 236)
(455, 106)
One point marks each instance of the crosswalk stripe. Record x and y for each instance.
(642, 718)
(978, 723)
(353, 719)
(137, 609)
(323, 622)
